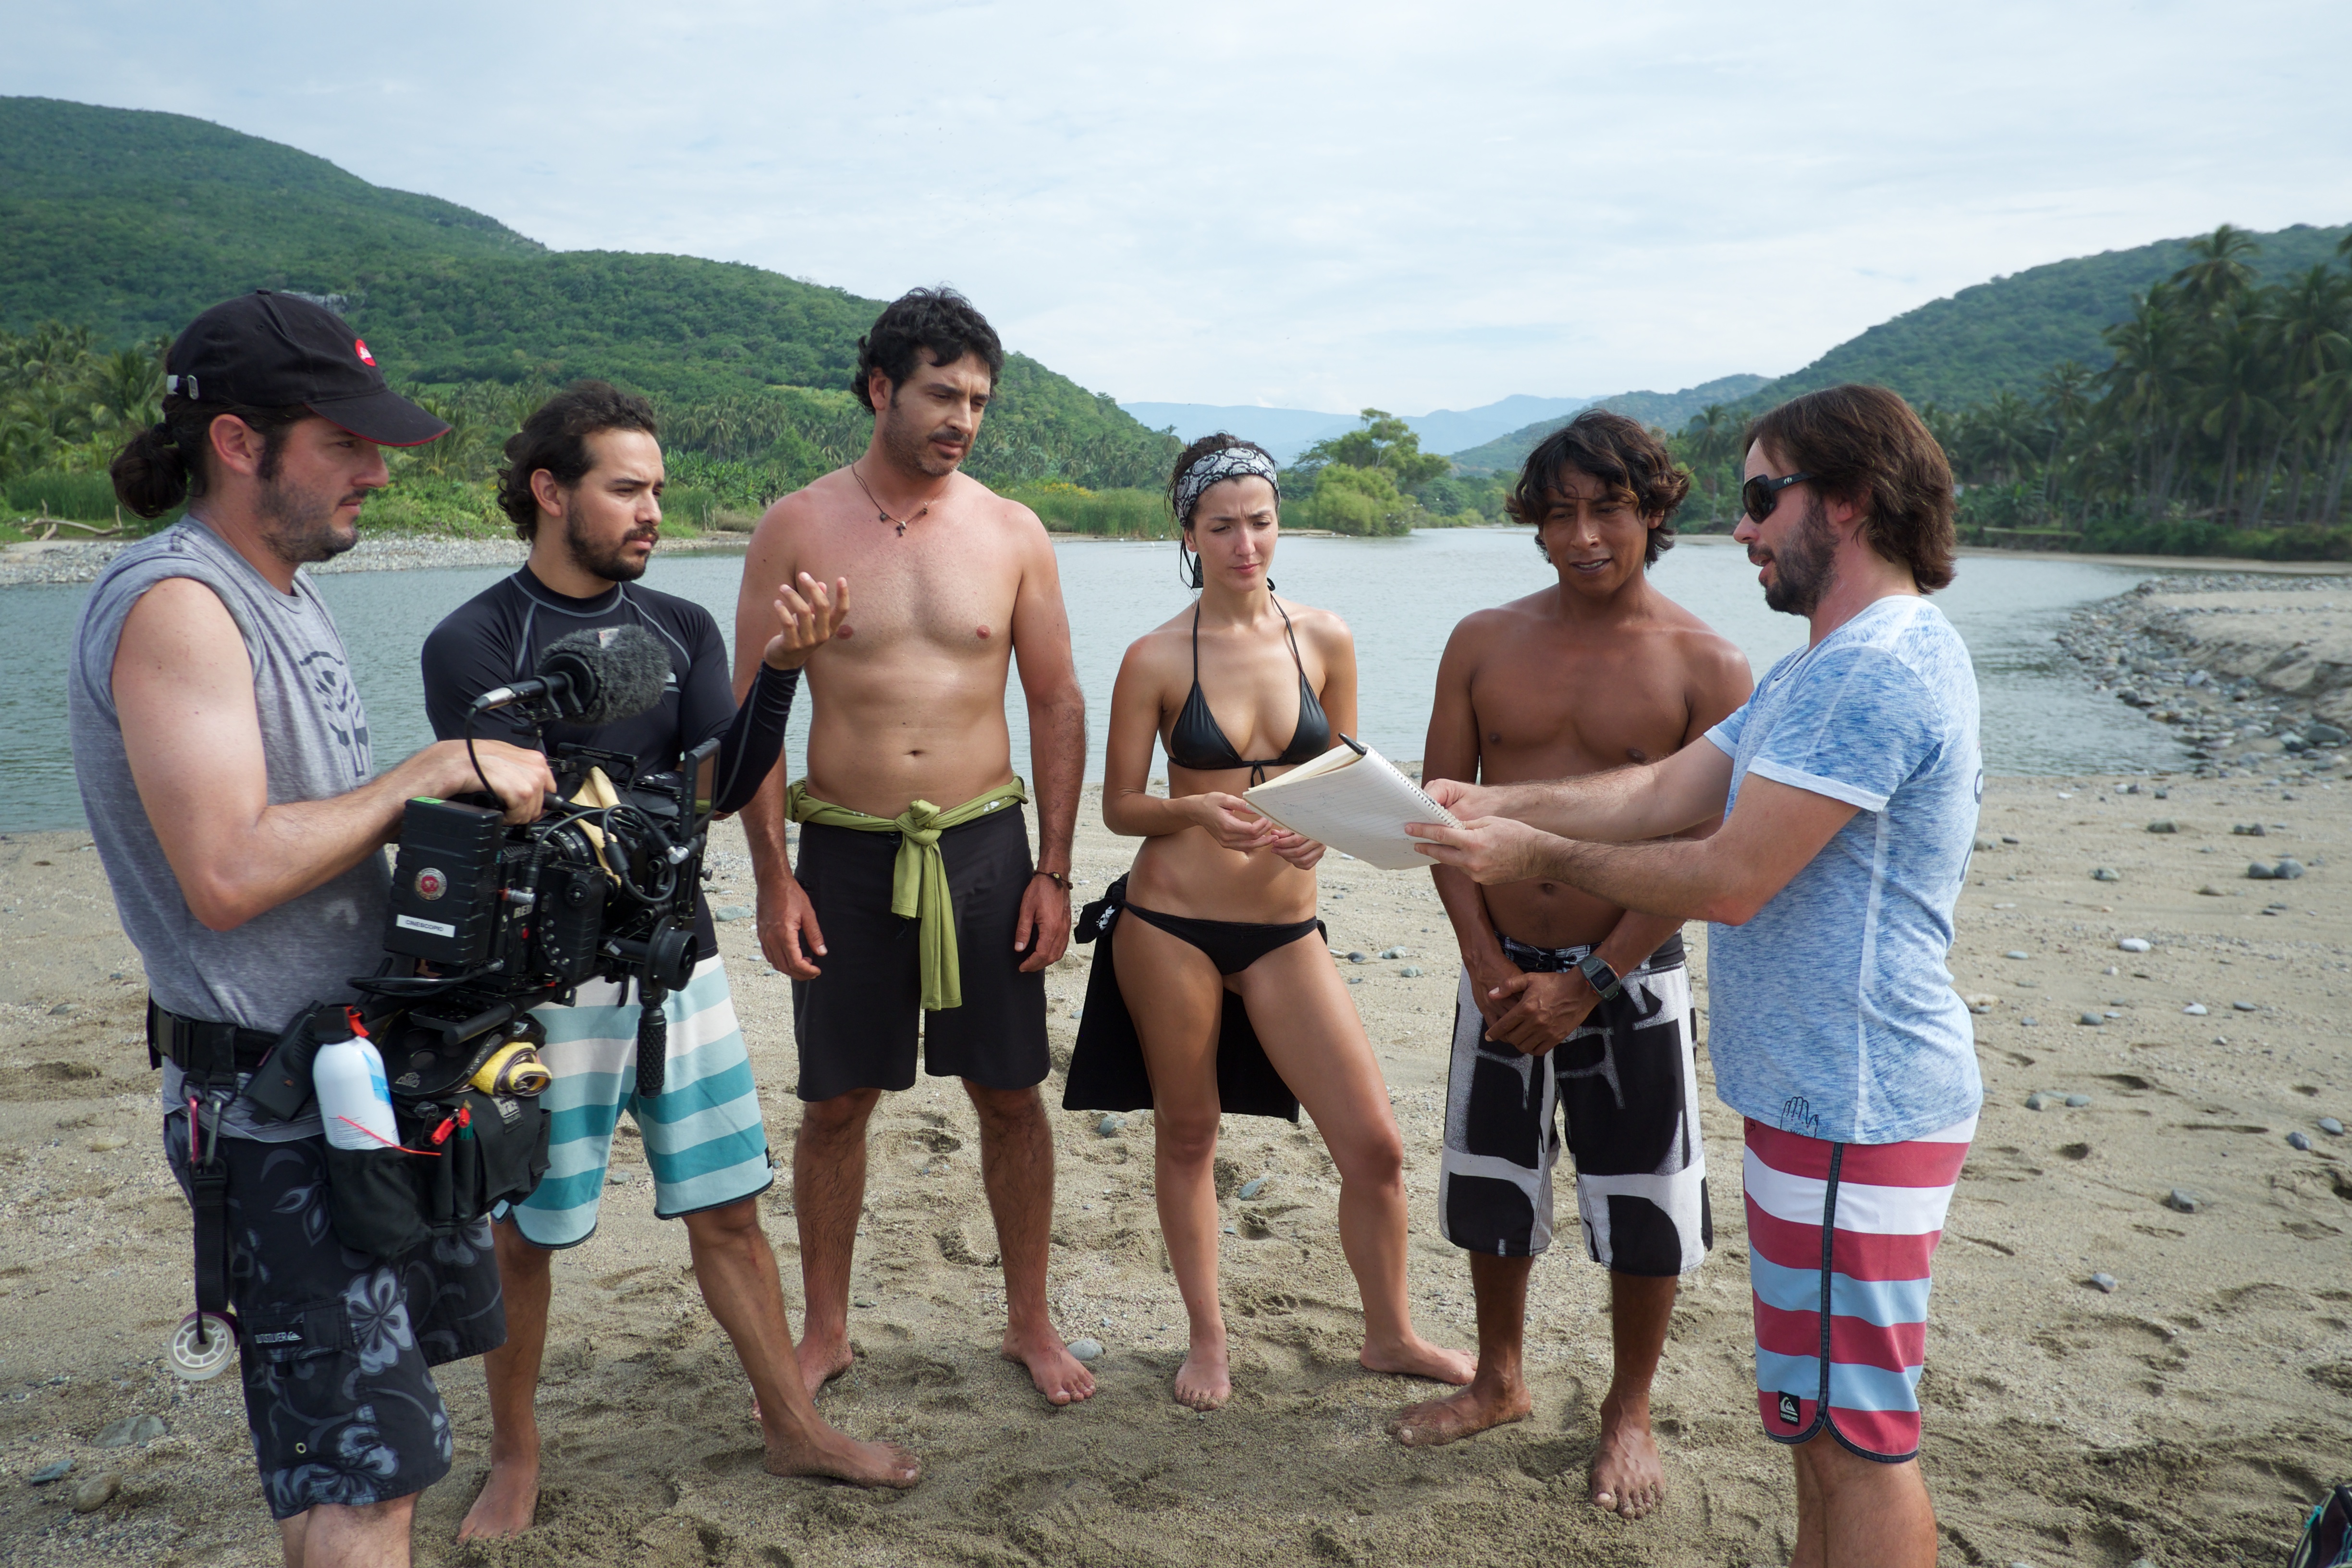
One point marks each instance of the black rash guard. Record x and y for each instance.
(496, 639)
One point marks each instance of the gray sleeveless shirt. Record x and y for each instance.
(314, 735)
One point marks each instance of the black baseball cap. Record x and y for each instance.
(266, 350)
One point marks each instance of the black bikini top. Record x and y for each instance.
(1198, 742)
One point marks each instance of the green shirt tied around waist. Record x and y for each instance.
(918, 881)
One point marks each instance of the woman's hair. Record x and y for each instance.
(170, 462)
(940, 321)
(1619, 452)
(1217, 441)
(1865, 446)
(555, 438)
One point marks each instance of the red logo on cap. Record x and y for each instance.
(361, 344)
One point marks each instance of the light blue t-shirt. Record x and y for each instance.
(1831, 1012)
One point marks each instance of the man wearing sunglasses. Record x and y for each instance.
(1849, 787)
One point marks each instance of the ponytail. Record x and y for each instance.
(150, 475)
(165, 464)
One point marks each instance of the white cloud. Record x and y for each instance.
(1324, 207)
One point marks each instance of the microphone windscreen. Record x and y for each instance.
(615, 672)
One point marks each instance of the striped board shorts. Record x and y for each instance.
(1840, 1236)
(703, 1136)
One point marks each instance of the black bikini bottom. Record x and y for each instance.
(1107, 1070)
(1232, 945)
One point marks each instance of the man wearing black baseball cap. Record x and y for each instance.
(224, 768)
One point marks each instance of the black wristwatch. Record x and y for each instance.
(1597, 974)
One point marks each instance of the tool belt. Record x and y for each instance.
(464, 1147)
(213, 1054)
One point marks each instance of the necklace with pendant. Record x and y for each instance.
(880, 513)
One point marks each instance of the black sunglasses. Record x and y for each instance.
(1760, 495)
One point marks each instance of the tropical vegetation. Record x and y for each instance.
(2218, 421)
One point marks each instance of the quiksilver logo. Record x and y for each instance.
(1788, 1408)
(281, 1337)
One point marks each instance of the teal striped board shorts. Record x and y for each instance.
(703, 1136)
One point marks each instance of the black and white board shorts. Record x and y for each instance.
(1626, 1084)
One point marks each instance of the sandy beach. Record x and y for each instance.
(2141, 1345)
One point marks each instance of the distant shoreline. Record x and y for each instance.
(63, 561)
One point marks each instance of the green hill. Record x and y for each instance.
(2001, 336)
(129, 222)
(1667, 410)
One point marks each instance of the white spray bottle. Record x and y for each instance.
(354, 1099)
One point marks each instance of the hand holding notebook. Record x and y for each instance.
(1352, 799)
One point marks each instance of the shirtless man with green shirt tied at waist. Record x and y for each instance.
(915, 890)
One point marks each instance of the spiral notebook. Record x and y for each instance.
(1354, 800)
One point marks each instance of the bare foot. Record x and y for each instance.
(1627, 1478)
(1060, 1377)
(1457, 1416)
(1416, 1357)
(1205, 1380)
(508, 1499)
(845, 1459)
(820, 1364)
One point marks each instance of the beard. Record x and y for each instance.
(298, 524)
(599, 559)
(911, 451)
(1804, 566)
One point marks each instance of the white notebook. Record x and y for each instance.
(1355, 801)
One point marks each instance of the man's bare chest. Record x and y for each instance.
(957, 598)
(1536, 723)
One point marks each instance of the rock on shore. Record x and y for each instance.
(2255, 670)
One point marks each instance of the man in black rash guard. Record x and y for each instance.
(584, 485)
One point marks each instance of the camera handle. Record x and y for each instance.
(653, 1036)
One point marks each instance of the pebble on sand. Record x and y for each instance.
(2076, 1102)
(1109, 1125)
(1086, 1350)
(2248, 830)
(2135, 944)
(2180, 1201)
(2104, 1282)
(2037, 1102)
(107, 1144)
(2298, 1139)
(1251, 1187)
(1395, 953)
(130, 1431)
(2164, 825)
(2195, 1009)
(55, 1470)
(2333, 1128)
(1360, 958)
(2288, 869)
(2106, 874)
(96, 1492)
(732, 912)
(61, 1009)
(2017, 953)
(2092, 1019)
(2247, 1006)
(1410, 972)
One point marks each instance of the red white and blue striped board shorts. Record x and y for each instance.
(1839, 1238)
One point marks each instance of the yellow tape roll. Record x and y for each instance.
(513, 1070)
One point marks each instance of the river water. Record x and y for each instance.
(1401, 595)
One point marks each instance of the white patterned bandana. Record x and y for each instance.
(1224, 463)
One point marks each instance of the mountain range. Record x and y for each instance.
(1286, 432)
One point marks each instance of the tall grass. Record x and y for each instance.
(1117, 514)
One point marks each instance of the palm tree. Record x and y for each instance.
(2217, 273)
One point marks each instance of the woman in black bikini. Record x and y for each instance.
(1223, 902)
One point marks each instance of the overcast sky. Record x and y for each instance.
(1319, 207)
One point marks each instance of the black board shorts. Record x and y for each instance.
(337, 1347)
(858, 1020)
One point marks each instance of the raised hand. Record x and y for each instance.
(807, 618)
